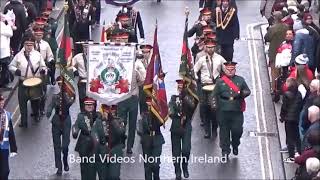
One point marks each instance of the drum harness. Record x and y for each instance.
(27, 56)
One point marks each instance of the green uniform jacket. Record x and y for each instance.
(114, 132)
(60, 104)
(227, 99)
(176, 110)
(90, 136)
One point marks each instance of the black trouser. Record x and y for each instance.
(82, 94)
(227, 51)
(4, 71)
(61, 139)
(292, 137)
(210, 120)
(98, 11)
(44, 98)
(51, 73)
(23, 99)
(4, 164)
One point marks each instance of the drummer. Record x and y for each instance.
(210, 67)
(26, 64)
(44, 48)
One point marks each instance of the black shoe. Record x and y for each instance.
(201, 123)
(275, 97)
(129, 151)
(235, 151)
(66, 167)
(37, 119)
(42, 113)
(178, 177)
(59, 172)
(225, 154)
(207, 136)
(185, 172)
(53, 82)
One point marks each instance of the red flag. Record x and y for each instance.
(154, 84)
(103, 33)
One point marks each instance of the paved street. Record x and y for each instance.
(259, 155)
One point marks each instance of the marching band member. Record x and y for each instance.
(228, 28)
(136, 21)
(8, 145)
(151, 141)
(180, 131)
(44, 48)
(210, 67)
(89, 125)
(123, 20)
(129, 107)
(230, 91)
(79, 66)
(26, 64)
(82, 16)
(114, 132)
(61, 126)
(199, 28)
(141, 66)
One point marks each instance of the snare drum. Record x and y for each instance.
(208, 88)
(34, 88)
(209, 99)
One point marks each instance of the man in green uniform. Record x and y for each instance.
(152, 141)
(90, 124)
(180, 131)
(230, 91)
(61, 125)
(128, 109)
(114, 132)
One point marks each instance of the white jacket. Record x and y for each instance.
(6, 33)
(20, 62)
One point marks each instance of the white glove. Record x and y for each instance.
(13, 154)
(141, 40)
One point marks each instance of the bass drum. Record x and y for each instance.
(34, 89)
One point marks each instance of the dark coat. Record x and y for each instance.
(291, 107)
(275, 35)
(21, 22)
(231, 32)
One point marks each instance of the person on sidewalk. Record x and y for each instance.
(8, 146)
(6, 32)
(290, 109)
(230, 92)
(314, 119)
(180, 131)
(20, 23)
(28, 63)
(275, 35)
(61, 125)
(228, 28)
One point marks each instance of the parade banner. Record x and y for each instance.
(110, 72)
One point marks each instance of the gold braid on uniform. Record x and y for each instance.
(226, 20)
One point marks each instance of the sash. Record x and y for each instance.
(134, 15)
(226, 20)
(210, 67)
(30, 65)
(85, 61)
(236, 89)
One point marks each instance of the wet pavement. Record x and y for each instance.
(259, 156)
